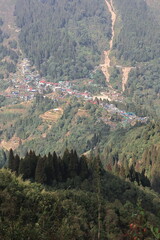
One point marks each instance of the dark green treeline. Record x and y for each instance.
(51, 168)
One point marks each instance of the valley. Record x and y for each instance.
(27, 84)
(79, 120)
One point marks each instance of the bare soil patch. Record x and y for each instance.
(52, 115)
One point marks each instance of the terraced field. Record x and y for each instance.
(52, 115)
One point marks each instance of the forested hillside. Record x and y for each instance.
(83, 126)
(64, 39)
(137, 39)
(137, 45)
(8, 55)
(144, 87)
(134, 152)
(77, 34)
(8, 42)
(83, 203)
(87, 78)
(77, 125)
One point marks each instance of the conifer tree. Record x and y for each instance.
(40, 174)
(132, 174)
(4, 157)
(65, 162)
(11, 160)
(49, 169)
(144, 180)
(57, 167)
(73, 164)
(83, 170)
(16, 163)
(97, 169)
(28, 165)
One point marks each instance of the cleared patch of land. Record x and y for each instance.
(82, 113)
(52, 115)
(16, 108)
(13, 143)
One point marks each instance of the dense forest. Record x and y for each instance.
(137, 44)
(143, 87)
(83, 203)
(138, 38)
(71, 45)
(7, 52)
(136, 149)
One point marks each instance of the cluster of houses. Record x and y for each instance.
(114, 95)
(111, 95)
(23, 83)
(27, 83)
(126, 117)
(64, 88)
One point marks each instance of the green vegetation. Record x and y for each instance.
(85, 203)
(123, 150)
(2, 101)
(136, 44)
(13, 44)
(80, 128)
(46, 196)
(137, 40)
(71, 45)
(3, 158)
(4, 51)
(116, 78)
(135, 150)
(20, 123)
(8, 58)
(143, 87)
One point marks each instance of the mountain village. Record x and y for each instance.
(26, 83)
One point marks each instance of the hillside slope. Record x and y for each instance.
(134, 67)
(71, 44)
(100, 206)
